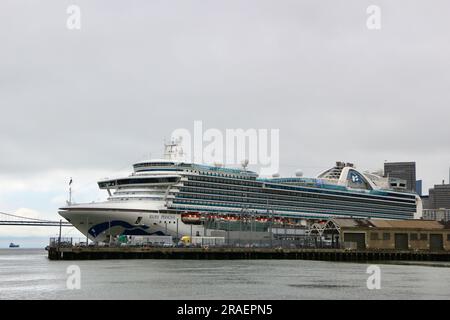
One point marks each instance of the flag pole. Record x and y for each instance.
(70, 191)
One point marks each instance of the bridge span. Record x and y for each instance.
(8, 219)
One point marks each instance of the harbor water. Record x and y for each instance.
(28, 274)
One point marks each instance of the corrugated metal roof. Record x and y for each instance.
(390, 224)
(407, 224)
(345, 222)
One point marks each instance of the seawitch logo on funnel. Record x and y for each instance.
(234, 147)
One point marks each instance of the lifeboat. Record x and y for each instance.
(262, 219)
(279, 220)
(191, 217)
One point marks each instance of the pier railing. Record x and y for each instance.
(306, 242)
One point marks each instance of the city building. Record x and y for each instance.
(436, 214)
(402, 170)
(426, 202)
(419, 187)
(439, 196)
(436, 206)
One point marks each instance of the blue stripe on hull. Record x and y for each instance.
(102, 227)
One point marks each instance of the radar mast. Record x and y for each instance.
(174, 150)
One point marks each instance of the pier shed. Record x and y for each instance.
(392, 234)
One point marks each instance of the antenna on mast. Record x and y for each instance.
(244, 164)
(173, 150)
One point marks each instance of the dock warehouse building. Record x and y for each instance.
(390, 234)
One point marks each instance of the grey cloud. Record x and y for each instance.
(107, 94)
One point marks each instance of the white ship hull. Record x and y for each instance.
(99, 221)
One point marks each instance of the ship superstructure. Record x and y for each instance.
(174, 197)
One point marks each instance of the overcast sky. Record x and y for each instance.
(88, 103)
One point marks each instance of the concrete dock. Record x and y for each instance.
(227, 253)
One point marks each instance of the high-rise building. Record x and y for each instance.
(426, 202)
(402, 170)
(419, 187)
(440, 196)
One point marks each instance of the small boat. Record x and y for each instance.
(13, 245)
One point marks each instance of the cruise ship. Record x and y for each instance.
(174, 197)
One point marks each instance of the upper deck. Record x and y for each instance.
(170, 165)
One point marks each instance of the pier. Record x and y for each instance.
(337, 239)
(225, 253)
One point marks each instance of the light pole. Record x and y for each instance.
(270, 228)
(240, 228)
(268, 217)
(87, 232)
(204, 223)
(59, 238)
(178, 237)
(251, 227)
(228, 232)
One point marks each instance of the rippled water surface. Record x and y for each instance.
(28, 274)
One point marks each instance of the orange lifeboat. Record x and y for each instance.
(191, 218)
